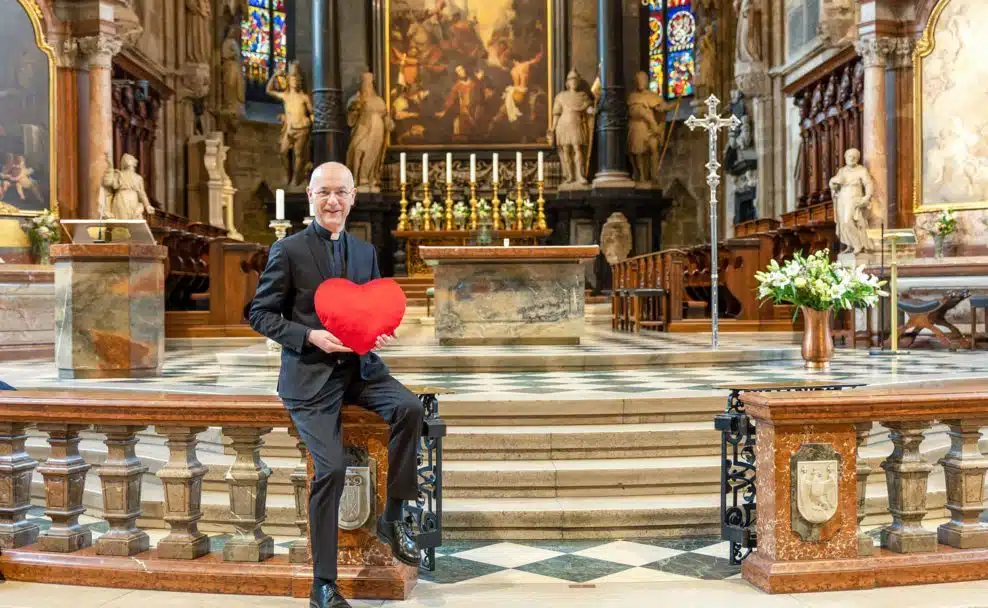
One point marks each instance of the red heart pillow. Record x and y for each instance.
(358, 314)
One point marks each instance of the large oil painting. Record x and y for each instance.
(469, 73)
(952, 116)
(25, 114)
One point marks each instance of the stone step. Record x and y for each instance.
(569, 442)
(594, 477)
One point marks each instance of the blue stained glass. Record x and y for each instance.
(259, 3)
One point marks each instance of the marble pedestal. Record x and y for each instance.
(110, 309)
(509, 295)
(27, 311)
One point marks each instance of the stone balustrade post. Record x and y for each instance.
(907, 474)
(16, 468)
(64, 473)
(181, 479)
(248, 481)
(964, 470)
(121, 476)
(866, 546)
(299, 552)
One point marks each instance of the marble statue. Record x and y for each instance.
(615, 238)
(570, 130)
(852, 189)
(368, 117)
(122, 193)
(198, 23)
(231, 69)
(646, 131)
(748, 48)
(705, 78)
(296, 124)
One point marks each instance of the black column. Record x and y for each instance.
(327, 91)
(612, 109)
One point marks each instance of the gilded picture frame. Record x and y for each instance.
(950, 170)
(459, 130)
(15, 190)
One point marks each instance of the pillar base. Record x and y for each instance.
(21, 534)
(124, 544)
(189, 548)
(909, 541)
(613, 179)
(298, 553)
(963, 536)
(866, 545)
(68, 542)
(248, 549)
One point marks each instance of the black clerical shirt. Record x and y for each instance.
(335, 249)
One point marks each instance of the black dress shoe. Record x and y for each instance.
(327, 596)
(397, 534)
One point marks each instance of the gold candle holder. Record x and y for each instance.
(495, 208)
(403, 218)
(449, 206)
(280, 227)
(473, 206)
(540, 218)
(426, 206)
(519, 204)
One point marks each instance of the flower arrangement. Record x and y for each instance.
(946, 223)
(483, 209)
(437, 211)
(416, 214)
(508, 212)
(819, 284)
(43, 230)
(460, 214)
(527, 212)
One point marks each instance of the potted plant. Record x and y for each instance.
(817, 286)
(460, 214)
(484, 222)
(528, 214)
(416, 215)
(508, 213)
(943, 228)
(43, 230)
(438, 214)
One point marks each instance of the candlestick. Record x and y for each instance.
(540, 167)
(279, 204)
(280, 227)
(519, 204)
(473, 205)
(518, 167)
(473, 168)
(426, 205)
(449, 205)
(402, 178)
(540, 218)
(449, 167)
(495, 202)
(494, 177)
(425, 168)
(403, 218)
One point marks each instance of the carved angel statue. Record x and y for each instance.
(852, 189)
(122, 193)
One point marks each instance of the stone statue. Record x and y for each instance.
(705, 78)
(646, 132)
(122, 193)
(198, 23)
(570, 130)
(231, 68)
(852, 188)
(367, 116)
(296, 124)
(748, 48)
(615, 238)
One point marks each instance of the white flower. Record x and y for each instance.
(799, 282)
(44, 231)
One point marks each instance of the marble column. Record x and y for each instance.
(327, 90)
(757, 86)
(866, 546)
(874, 52)
(900, 206)
(964, 469)
(16, 468)
(64, 474)
(120, 475)
(907, 474)
(181, 480)
(612, 109)
(97, 55)
(247, 478)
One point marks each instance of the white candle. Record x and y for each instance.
(425, 168)
(506, 241)
(495, 166)
(403, 168)
(449, 167)
(279, 204)
(518, 167)
(312, 209)
(540, 167)
(473, 168)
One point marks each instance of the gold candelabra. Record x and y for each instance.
(519, 203)
(540, 219)
(403, 218)
(473, 205)
(449, 206)
(495, 207)
(426, 206)
(280, 227)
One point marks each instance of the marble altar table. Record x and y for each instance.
(509, 295)
(27, 311)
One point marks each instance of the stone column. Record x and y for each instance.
(757, 86)
(874, 53)
(964, 469)
(901, 206)
(64, 473)
(327, 90)
(16, 468)
(181, 479)
(97, 54)
(121, 475)
(612, 109)
(299, 552)
(248, 481)
(866, 546)
(907, 474)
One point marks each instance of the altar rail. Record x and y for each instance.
(811, 541)
(182, 561)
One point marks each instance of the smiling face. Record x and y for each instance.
(331, 193)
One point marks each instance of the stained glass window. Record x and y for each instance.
(671, 47)
(264, 41)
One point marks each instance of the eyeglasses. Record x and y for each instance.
(340, 193)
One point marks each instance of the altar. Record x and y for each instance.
(509, 295)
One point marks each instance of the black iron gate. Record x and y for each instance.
(427, 512)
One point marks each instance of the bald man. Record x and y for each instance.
(318, 374)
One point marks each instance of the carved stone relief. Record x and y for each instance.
(815, 471)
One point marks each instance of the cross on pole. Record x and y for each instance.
(713, 123)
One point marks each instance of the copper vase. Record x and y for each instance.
(818, 343)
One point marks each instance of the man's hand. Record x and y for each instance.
(384, 341)
(327, 342)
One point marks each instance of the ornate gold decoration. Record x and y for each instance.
(473, 206)
(540, 218)
(449, 206)
(403, 218)
(495, 207)
(426, 206)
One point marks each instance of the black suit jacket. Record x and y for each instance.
(283, 308)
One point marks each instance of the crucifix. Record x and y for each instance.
(713, 123)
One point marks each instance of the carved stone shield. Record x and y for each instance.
(816, 492)
(355, 505)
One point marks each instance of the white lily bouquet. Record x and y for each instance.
(43, 230)
(460, 214)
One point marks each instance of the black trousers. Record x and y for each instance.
(319, 424)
